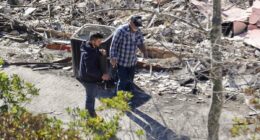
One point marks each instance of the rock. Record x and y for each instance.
(167, 111)
(14, 32)
(182, 99)
(238, 97)
(184, 90)
(57, 8)
(67, 68)
(82, 4)
(200, 101)
(171, 118)
(208, 95)
(167, 32)
(160, 94)
(186, 81)
(1, 9)
(76, 23)
(56, 26)
(10, 54)
(29, 11)
(257, 53)
(174, 96)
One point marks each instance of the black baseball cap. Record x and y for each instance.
(137, 20)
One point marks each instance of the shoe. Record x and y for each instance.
(92, 114)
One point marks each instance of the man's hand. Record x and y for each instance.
(103, 52)
(105, 77)
(113, 62)
(144, 51)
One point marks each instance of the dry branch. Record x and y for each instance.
(151, 11)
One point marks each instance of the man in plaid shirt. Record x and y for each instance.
(127, 38)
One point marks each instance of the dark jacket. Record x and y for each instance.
(89, 69)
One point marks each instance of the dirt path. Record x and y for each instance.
(162, 117)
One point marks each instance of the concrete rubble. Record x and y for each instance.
(36, 34)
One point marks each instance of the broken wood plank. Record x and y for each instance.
(29, 11)
(143, 65)
(60, 47)
(63, 62)
(66, 60)
(15, 38)
(54, 33)
(159, 53)
(41, 68)
(160, 2)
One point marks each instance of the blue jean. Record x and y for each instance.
(126, 78)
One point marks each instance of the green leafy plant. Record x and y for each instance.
(98, 128)
(2, 62)
(14, 92)
(139, 132)
(25, 125)
(119, 102)
(239, 126)
(249, 125)
(17, 123)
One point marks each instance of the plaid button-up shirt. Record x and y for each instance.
(124, 45)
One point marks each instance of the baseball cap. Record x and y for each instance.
(137, 20)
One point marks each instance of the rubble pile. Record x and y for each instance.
(37, 34)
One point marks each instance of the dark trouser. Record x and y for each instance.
(94, 90)
(91, 93)
(103, 63)
(126, 78)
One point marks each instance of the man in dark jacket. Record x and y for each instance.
(91, 71)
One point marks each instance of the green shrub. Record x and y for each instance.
(14, 92)
(119, 102)
(25, 126)
(2, 62)
(98, 128)
(17, 123)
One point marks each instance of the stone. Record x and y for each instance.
(182, 99)
(67, 68)
(81, 4)
(242, 69)
(14, 32)
(184, 90)
(29, 11)
(257, 53)
(167, 32)
(167, 111)
(200, 101)
(241, 98)
(238, 97)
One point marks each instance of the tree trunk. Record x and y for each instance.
(216, 73)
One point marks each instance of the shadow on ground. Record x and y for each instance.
(154, 130)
